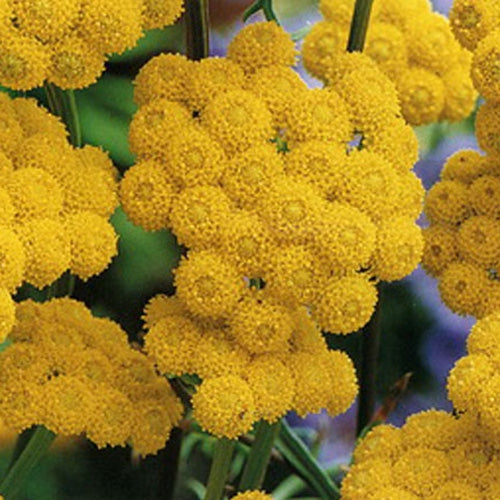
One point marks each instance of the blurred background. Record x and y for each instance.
(419, 335)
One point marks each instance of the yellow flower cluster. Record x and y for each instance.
(75, 373)
(464, 206)
(66, 41)
(434, 456)
(252, 495)
(261, 362)
(411, 44)
(474, 382)
(55, 202)
(289, 223)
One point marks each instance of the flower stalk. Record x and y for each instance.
(359, 25)
(197, 29)
(221, 463)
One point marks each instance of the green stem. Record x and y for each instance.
(219, 471)
(304, 464)
(266, 6)
(368, 376)
(63, 104)
(197, 29)
(359, 25)
(29, 457)
(260, 454)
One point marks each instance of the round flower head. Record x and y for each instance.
(23, 61)
(224, 406)
(237, 119)
(320, 164)
(319, 114)
(252, 495)
(460, 97)
(321, 47)
(193, 158)
(154, 125)
(93, 243)
(32, 18)
(261, 326)
(486, 66)
(437, 50)
(272, 385)
(447, 201)
(34, 193)
(472, 20)
(382, 441)
(111, 27)
(209, 286)
(399, 249)
(482, 338)
(457, 490)
(11, 132)
(163, 77)
(386, 45)
(262, 44)
(146, 196)
(7, 313)
(462, 287)
(465, 166)
(344, 239)
(488, 127)
(484, 196)
(274, 85)
(346, 304)
(34, 118)
(365, 477)
(12, 260)
(250, 174)
(440, 248)
(478, 241)
(421, 470)
(198, 213)
(422, 95)
(6, 207)
(47, 248)
(210, 77)
(74, 64)
(393, 493)
(159, 14)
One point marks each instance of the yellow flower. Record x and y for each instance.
(484, 196)
(163, 77)
(262, 44)
(366, 477)
(93, 243)
(208, 285)
(345, 304)
(237, 119)
(422, 95)
(472, 20)
(447, 201)
(399, 249)
(463, 286)
(6, 207)
(464, 166)
(261, 326)
(198, 213)
(47, 248)
(7, 314)
(224, 406)
(160, 14)
(488, 127)
(319, 114)
(146, 195)
(382, 441)
(12, 260)
(75, 63)
(440, 248)
(252, 495)
(478, 241)
(456, 490)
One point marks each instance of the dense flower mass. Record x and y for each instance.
(433, 456)
(289, 200)
(66, 42)
(55, 202)
(75, 374)
(411, 44)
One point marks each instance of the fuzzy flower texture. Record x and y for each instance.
(66, 42)
(411, 44)
(463, 208)
(75, 374)
(293, 203)
(55, 202)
